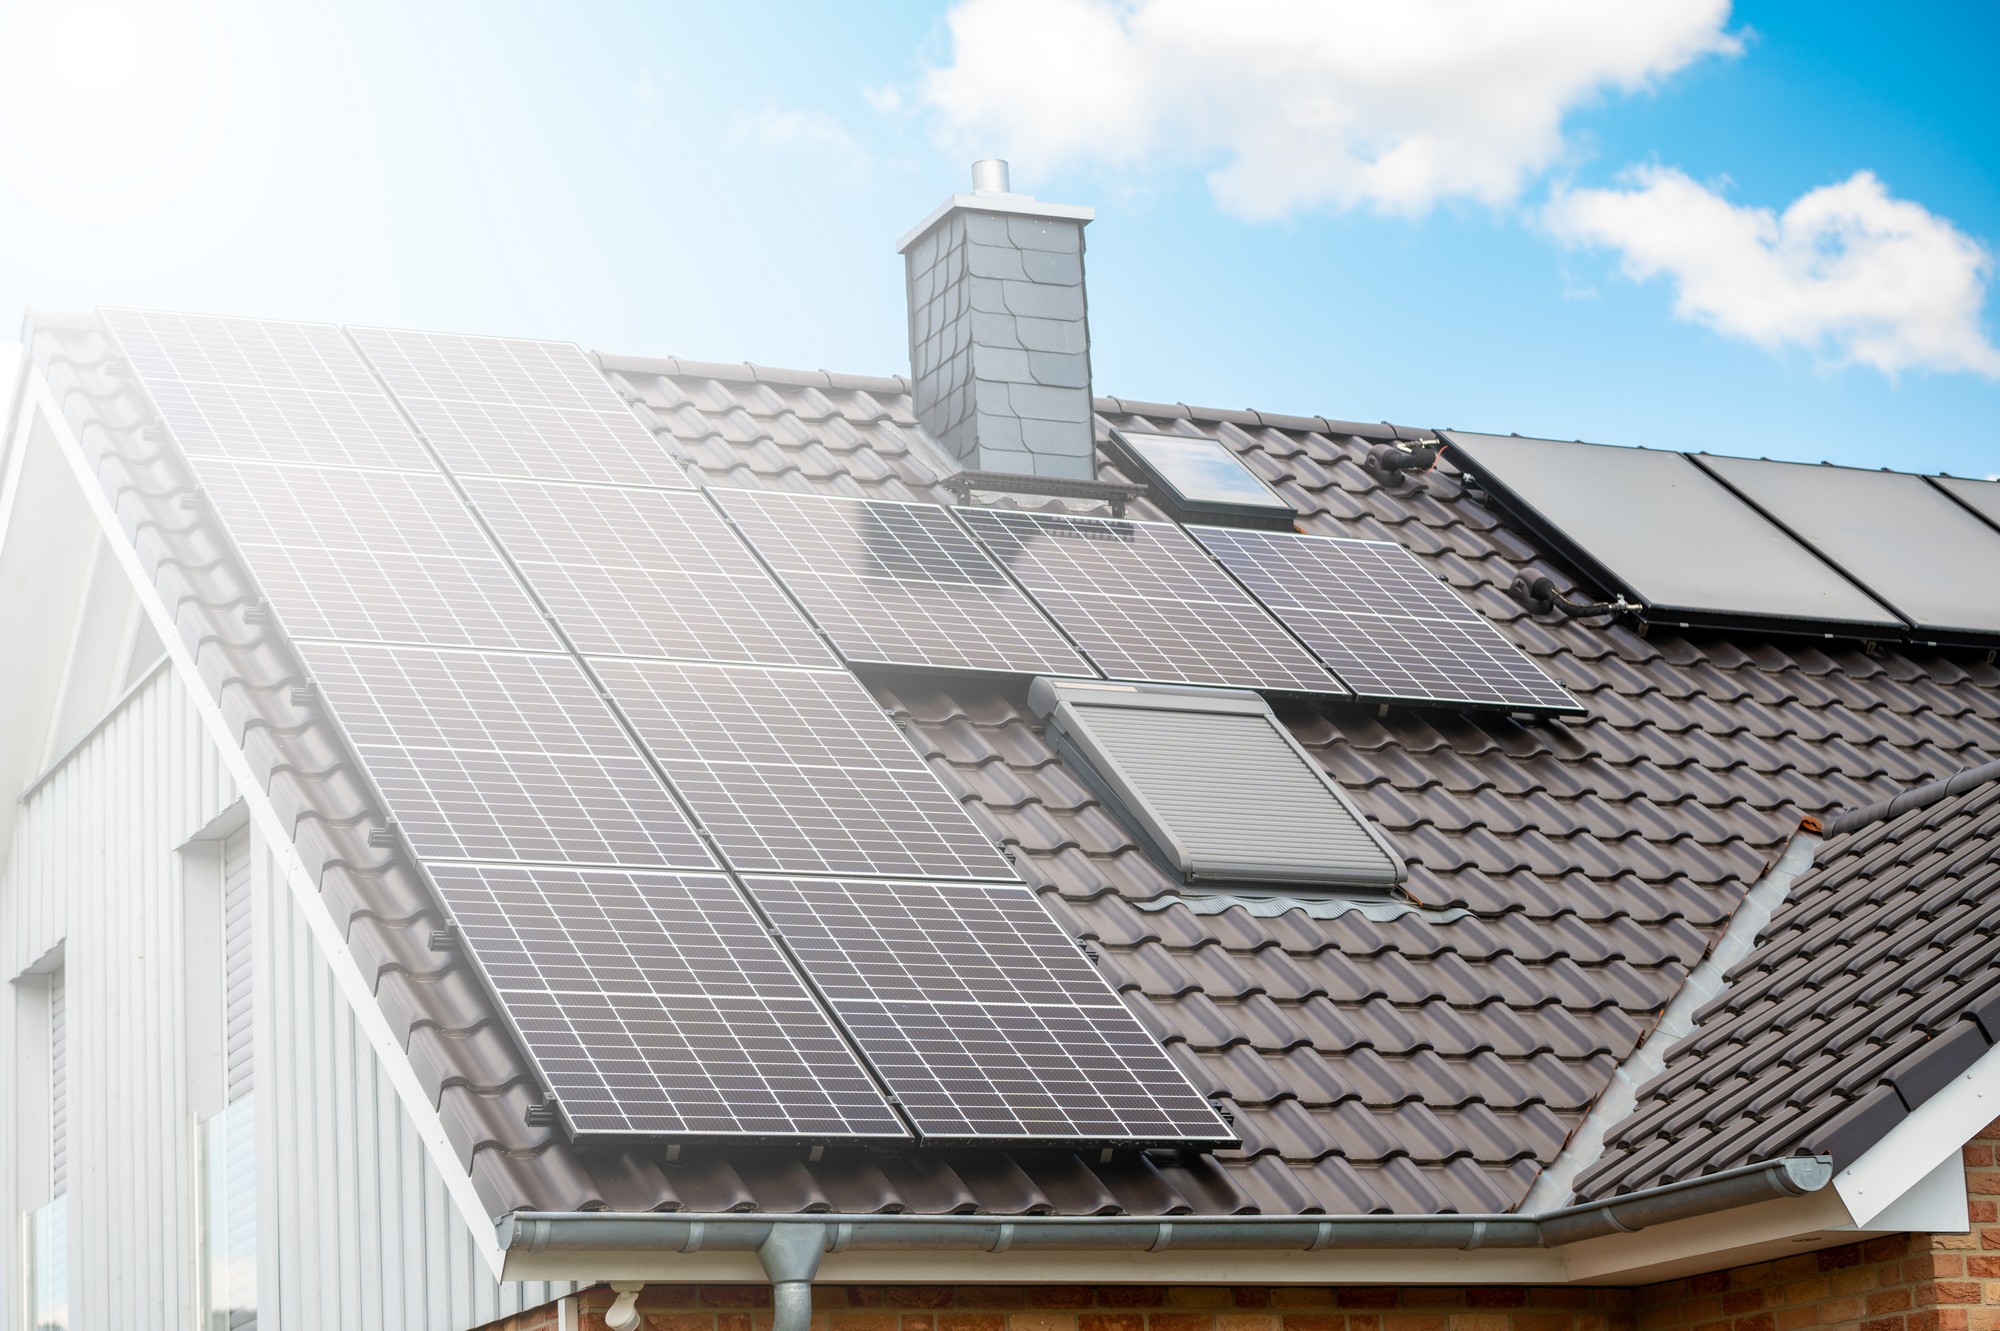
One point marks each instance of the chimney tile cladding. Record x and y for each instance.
(999, 343)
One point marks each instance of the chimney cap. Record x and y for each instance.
(991, 194)
(989, 176)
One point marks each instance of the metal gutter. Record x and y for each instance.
(774, 1236)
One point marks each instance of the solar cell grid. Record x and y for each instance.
(645, 573)
(899, 584)
(1145, 603)
(484, 756)
(504, 407)
(657, 1004)
(1384, 623)
(798, 771)
(385, 556)
(264, 389)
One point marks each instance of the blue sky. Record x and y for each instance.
(728, 183)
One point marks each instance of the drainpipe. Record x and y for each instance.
(791, 1258)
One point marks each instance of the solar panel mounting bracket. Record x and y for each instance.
(1117, 494)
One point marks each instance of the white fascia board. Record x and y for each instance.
(1933, 1133)
(355, 986)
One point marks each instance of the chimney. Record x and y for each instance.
(999, 343)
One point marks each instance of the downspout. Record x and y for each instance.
(791, 1258)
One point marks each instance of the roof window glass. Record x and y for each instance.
(1195, 477)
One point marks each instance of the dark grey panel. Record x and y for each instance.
(1382, 620)
(1982, 496)
(386, 556)
(502, 407)
(1913, 547)
(798, 771)
(1145, 603)
(264, 389)
(900, 584)
(1668, 532)
(657, 1004)
(483, 756)
(982, 1016)
(630, 572)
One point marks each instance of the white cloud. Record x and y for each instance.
(1846, 270)
(886, 100)
(780, 129)
(1298, 104)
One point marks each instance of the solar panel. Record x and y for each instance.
(1655, 526)
(657, 1004)
(798, 771)
(899, 584)
(253, 389)
(1983, 497)
(645, 573)
(483, 756)
(1382, 621)
(501, 407)
(1145, 603)
(388, 556)
(1895, 534)
(982, 1017)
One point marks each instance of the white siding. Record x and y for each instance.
(58, 1087)
(355, 1225)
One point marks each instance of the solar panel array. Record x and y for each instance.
(798, 771)
(899, 584)
(658, 1004)
(496, 406)
(1382, 621)
(1145, 603)
(636, 972)
(259, 389)
(384, 556)
(981, 1016)
(632, 572)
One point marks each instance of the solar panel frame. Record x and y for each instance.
(1383, 622)
(983, 1017)
(937, 599)
(639, 572)
(495, 406)
(1165, 613)
(1982, 497)
(798, 771)
(264, 390)
(500, 757)
(381, 556)
(657, 1004)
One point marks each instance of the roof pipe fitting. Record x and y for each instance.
(791, 1256)
(623, 1314)
(989, 176)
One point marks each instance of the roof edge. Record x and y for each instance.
(1917, 797)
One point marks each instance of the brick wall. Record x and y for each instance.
(1904, 1282)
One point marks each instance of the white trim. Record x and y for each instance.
(1935, 1204)
(1935, 1131)
(1015, 205)
(326, 932)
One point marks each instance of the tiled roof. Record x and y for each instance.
(1431, 1059)
(1871, 989)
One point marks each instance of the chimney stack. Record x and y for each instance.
(999, 342)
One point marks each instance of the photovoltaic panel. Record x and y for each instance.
(1145, 603)
(1382, 621)
(631, 572)
(1658, 528)
(484, 756)
(798, 771)
(656, 1003)
(252, 389)
(1912, 546)
(982, 1017)
(1983, 497)
(387, 556)
(899, 584)
(502, 407)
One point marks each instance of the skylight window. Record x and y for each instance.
(1213, 785)
(1197, 479)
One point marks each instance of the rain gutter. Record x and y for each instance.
(789, 1247)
